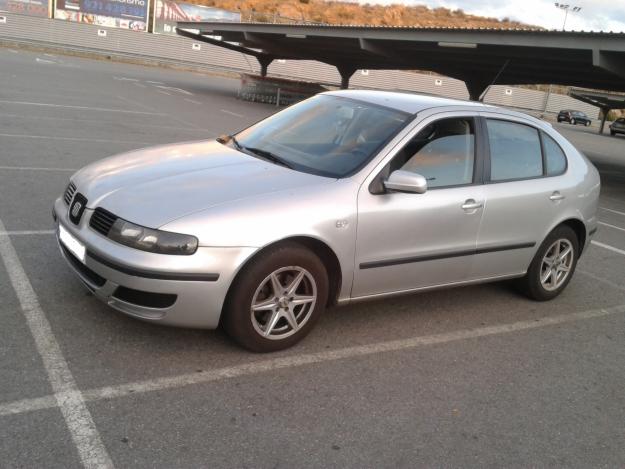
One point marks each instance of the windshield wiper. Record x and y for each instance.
(267, 155)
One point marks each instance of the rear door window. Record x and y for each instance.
(515, 151)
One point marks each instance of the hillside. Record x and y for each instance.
(334, 12)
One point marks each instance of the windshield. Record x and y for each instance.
(324, 135)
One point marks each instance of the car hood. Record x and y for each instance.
(155, 186)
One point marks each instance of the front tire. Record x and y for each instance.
(553, 265)
(277, 299)
(573, 122)
(587, 124)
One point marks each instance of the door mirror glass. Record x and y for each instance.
(406, 181)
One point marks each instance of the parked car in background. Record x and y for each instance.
(574, 117)
(618, 126)
(347, 196)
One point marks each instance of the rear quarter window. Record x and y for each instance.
(555, 159)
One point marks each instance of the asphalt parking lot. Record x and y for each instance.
(471, 377)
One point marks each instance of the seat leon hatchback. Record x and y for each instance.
(346, 196)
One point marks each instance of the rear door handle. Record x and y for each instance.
(471, 204)
(556, 196)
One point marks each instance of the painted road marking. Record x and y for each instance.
(155, 82)
(44, 61)
(612, 211)
(100, 121)
(125, 79)
(192, 101)
(232, 113)
(602, 280)
(27, 232)
(265, 366)
(66, 106)
(68, 397)
(608, 247)
(611, 226)
(172, 88)
(29, 168)
(75, 139)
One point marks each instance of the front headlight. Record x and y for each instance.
(147, 239)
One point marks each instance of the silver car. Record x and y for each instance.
(347, 196)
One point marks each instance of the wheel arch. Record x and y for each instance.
(579, 228)
(325, 253)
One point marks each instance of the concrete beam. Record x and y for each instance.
(608, 61)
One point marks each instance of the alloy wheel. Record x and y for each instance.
(556, 264)
(283, 302)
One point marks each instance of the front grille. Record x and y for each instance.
(89, 274)
(69, 193)
(145, 299)
(102, 221)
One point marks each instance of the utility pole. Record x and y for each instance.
(566, 7)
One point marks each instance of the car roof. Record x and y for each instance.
(414, 103)
(406, 102)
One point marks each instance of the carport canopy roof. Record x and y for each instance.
(479, 57)
(605, 101)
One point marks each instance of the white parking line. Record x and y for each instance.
(612, 211)
(611, 226)
(69, 399)
(44, 61)
(601, 279)
(608, 247)
(125, 79)
(30, 168)
(100, 121)
(87, 108)
(27, 232)
(192, 101)
(294, 361)
(155, 82)
(74, 139)
(232, 113)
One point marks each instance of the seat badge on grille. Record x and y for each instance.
(77, 208)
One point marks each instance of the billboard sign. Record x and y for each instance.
(26, 7)
(167, 13)
(125, 14)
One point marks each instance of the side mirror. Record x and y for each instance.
(405, 181)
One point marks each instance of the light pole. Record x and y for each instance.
(566, 7)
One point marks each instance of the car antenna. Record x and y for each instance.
(503, 67)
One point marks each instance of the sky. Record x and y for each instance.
(595, 15)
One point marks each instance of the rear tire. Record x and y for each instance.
(276, 300)
(612, 133)
(587, 124)
(553, 265)
(573, 122)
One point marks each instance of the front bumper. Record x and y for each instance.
(184, 291)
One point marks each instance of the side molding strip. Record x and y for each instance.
(445, 255)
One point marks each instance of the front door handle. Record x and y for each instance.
(471, 204)
(556, 196)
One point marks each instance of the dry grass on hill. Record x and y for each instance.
(334, 12)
